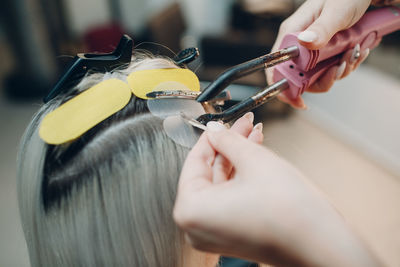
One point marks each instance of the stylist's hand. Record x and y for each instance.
(262, 209)
(319, 20)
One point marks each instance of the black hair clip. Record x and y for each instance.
(186, 56)
(99, 62)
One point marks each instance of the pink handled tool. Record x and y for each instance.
(297, 68)
(303, 70)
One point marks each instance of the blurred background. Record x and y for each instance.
(347, 142)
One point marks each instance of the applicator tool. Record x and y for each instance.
(296, 67)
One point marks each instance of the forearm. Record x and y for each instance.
(323, 239)
(329, 247)
(336, 246)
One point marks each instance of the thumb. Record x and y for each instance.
(330, 21)
(230, 144)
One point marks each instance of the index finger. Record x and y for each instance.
(298, 21)
(197, 169)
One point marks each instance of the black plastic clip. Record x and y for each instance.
(84, 62)
(186, 56)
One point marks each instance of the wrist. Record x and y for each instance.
(332, 242)
(315, 234)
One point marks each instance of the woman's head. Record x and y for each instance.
(107, 197)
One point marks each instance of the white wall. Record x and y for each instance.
(363, 110)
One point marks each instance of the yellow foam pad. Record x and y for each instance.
(146, 81)
(84, 111)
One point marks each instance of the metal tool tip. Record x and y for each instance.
(192, 121)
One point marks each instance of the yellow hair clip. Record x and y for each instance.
(146, 81)
(84, 111)
(78, 115)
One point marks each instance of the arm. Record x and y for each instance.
(266, 211)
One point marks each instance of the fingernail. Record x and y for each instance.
(356, 54)
(249, 116)
(307, 36)
(299, 103)
(304, 107)
(214, 126)
(340, 70)
(258, 127)
(365, 54)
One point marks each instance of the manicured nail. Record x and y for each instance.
(299, 103)
(249, 116)
(302, 105)
(307, 36)
(365, 55)
(258, 127)
(340, 70)
(214, 126)
(356, 54)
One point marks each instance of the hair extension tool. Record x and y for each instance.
(297, 68)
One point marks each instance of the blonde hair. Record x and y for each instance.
(105, 199)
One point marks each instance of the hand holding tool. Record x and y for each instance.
(297, 67)
(302, 71)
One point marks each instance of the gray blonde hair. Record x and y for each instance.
(105, 199)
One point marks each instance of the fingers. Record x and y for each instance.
(296, 103)
(318, 34)
(334, 17)
(349, 62)
(363, 57)
(203, 167)
(231, 145)
(196, 175)
(325, 82)
(319, 21)
(222, 167)
(197, 170)
(298, 21)
(353, 58)
(244, 124)
(256, 134)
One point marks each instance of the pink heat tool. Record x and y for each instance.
(301, 71)
(297, 68)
